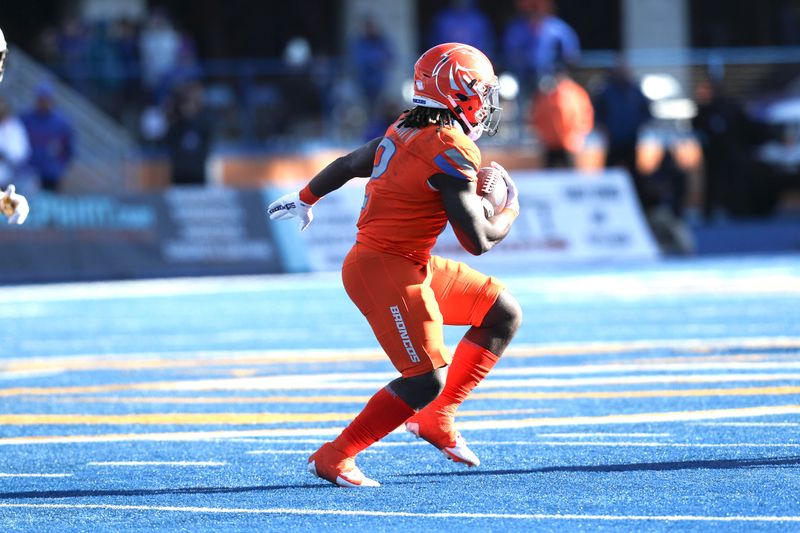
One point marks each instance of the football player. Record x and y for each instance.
(423, 175)
(14, 206)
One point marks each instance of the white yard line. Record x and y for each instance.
(750, 424)
(640, 444)
(644, 367)
(400, 514)
(578, 435)
(281, 452)
(3, 474)
(156, 463)
(619, 444)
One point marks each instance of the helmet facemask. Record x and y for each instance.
(487, 117)
(490, 113)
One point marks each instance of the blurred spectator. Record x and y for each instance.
(51, 139)
(719, 125)
(188, 138)
(562, 118)
(298, 93)
(47, 49)
(775, 168)
(153, 125)
(14, 146)
(372, 55)
(659, 176)
(104, 68)
(661, 181)
(536, 41)
(621, 109)
(463, 22)
(125, 39)
(74, 41)
(160, 51)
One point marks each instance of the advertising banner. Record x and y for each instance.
(566, 218)
(181, 232)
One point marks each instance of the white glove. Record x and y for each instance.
(14, 206)
(512, 201)
(289, 206)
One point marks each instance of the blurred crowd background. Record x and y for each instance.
(698, 99)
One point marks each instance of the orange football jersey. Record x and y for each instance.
(402, 213)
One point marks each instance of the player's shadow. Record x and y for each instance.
(150, 492)
(715, 464)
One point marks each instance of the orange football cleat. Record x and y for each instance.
(331, 464)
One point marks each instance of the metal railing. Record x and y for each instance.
(104, 150)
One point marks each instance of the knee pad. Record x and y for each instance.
(419, 391)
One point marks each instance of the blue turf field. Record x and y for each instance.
(657, 397)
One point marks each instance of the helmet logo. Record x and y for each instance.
(461, 74)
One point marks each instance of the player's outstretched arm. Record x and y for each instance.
(476, 233)
(14, 206)
(357, 163)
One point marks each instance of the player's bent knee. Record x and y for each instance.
(505, 314)
(419, 391)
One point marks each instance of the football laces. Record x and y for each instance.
(489, 182)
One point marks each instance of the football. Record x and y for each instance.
(493, 190)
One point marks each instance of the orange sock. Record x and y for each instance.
(383, 413)
(471, 363)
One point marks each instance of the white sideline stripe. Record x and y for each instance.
(112, 290)
(399, 514)
(156, 463)
(640, 444)
(569, 435)
(636, 380)
(645, 367)
(750, 424)
(631, 444)
(280, 452)
(269, 440)
(2, 474)
(676, 416)
(25, 374)
(622, 284)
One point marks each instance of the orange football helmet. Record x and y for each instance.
(460, 78)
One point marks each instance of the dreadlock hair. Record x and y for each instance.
(420, 117)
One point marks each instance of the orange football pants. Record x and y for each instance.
(406, 303)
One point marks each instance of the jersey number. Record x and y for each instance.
(383, 155)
